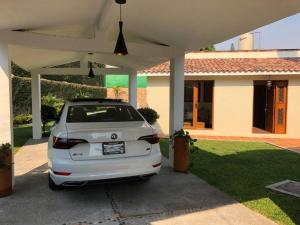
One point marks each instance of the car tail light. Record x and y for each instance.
(65, 143)
(152, 139)
(62, 173)
(156, 165)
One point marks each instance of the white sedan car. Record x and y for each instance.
(101, 139)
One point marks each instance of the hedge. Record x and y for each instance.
(21, 92)
(22, 119)
(98, 80)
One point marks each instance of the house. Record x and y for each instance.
(251, 93)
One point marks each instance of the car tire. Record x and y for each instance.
(145, 178)
(52, 185)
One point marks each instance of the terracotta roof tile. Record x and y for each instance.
(233, 65)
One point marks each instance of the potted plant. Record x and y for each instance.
(182, 143)
(5, 170)
(149, 114)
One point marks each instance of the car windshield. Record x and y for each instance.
(102, 113)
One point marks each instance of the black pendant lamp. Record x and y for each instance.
(121, 48)
(91, 72)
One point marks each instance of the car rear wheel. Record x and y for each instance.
(52, 185)
(146, 177)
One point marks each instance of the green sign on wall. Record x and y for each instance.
(112, 80)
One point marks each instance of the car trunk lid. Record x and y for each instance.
(109, 139)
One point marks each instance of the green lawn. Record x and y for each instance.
(243, 169)
(23, 133)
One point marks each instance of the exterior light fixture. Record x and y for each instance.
(91, 72)
(120, 48)
(269, 83)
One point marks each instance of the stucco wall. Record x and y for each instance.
(122, 93)
(158, 97)
(233, 99)
(233, 105)
(293, 108)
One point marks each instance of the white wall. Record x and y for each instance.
(158, 99)
(293, 108)
(233, 105)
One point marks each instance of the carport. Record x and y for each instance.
(38, 35)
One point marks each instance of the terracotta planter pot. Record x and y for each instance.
(181, 155)
(6, 176)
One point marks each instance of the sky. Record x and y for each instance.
(283, 34)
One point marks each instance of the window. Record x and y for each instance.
(102, 113)
(280, 94)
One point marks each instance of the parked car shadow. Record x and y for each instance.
(34, 203)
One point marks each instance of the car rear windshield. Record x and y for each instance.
(102, 113)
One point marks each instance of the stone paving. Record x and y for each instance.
(167, 199)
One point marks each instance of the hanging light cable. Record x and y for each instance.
(91, 72)
(121, 48)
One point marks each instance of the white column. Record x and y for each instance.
(176, 99)
(6, 115)
(133, 88)
(36, 106)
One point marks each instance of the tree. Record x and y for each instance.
(232, 48)
(209, 48)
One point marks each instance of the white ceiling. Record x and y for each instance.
(63, 30)
(35, 14)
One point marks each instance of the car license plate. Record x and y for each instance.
(111, 148)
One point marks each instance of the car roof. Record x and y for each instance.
(96, 101)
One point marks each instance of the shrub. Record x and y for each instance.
(48, 114)
(149, 114)
(5, 156)
(22, 119)
(51, 100)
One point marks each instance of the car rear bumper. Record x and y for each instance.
(94, 170)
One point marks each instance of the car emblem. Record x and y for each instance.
(114, 136)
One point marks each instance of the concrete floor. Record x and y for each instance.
(168, 199)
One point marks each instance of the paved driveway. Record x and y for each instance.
(170, 198)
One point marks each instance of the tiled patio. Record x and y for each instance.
(285, 143)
